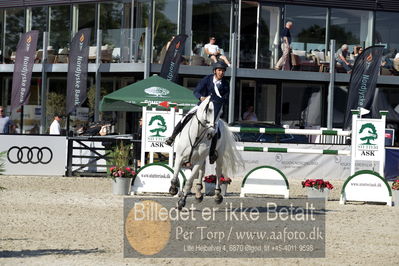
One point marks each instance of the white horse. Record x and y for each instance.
(193, 147)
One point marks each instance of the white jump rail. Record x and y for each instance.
(325, 132)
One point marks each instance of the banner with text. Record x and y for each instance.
(24, 60)
(363, 81)
(77, 69)
(171, 63)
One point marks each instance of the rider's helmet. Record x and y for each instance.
(220, 65)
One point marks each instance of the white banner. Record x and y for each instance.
(34, 155)
(370, 140)
(297, 165)
(157, 127)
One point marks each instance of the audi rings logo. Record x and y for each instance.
(33, 155)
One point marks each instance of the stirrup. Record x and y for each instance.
(169, 141)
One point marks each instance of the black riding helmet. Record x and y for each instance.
(220, 65)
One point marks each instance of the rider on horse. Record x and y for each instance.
(215, 85)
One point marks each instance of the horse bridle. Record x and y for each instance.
(200, 136)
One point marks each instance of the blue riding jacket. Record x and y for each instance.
(206, 87)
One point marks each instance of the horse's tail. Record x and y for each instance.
(232, 160)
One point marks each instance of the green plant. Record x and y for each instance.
(395, 184)
(120, 160)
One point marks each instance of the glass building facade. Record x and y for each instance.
(133, 35)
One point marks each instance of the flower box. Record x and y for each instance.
(121, 185)
(317, 193)
(395, 192)
(223, 188)
(317, 188)
(210, 189)
(395, 198)
(210, 184)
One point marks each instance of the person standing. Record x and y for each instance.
(6, 124)
(137, 150)
(216, 86)
(284, 62)
(55, 127)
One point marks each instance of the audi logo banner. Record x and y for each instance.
(34, 155)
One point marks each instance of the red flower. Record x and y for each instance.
(123, 171)
(319, 184)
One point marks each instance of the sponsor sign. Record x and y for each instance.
(24, 60)
(265, 180)
(173, 57)
(158, 127)
(34, 155)
(370, 139)
(155, 178)
(363, 81)
(366, 186)
(77, 69)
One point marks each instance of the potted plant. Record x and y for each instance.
(317, 188)
(210, 184)
(395, 192)
(224, 182)
(122, 175)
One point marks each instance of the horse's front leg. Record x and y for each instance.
(198, 187)
(174, 183)
(187, 187)
(218, 191)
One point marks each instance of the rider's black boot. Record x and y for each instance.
(169, 141)
(213, 154)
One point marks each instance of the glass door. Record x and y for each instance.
(259, 34)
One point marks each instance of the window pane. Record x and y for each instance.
(309, 30)
(60, 27)
(210, 18)
(268, 46)
(1, 34)
(39, 22)
(165, 26)
(384, 32)
(119, 39)
(301, 104)
(351, 27)
(87, 19)
(15, 24)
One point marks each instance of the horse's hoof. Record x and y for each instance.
(173, 190)
(180, 204)
(199, 187)
(218, 199)
(200, 198)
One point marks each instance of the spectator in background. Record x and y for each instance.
(213, 51)
(55, 127)
(250, 114)
(6, 124)
(341, 58)
(165, 49)
(284, 62)
(356, 52)
(137, 145)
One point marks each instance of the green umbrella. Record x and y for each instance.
(153, 91)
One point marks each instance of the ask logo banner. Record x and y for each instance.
(370, 139)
